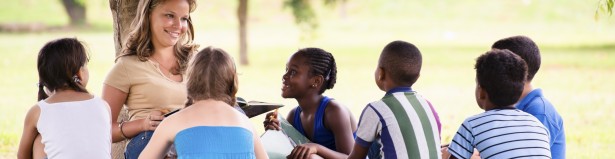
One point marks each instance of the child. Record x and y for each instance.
(532, 101)
(71, 122)
(403, 122)
(501, 131)
(210, 127)
(309, 72)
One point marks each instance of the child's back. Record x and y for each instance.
(70, 122)
(75, 129)
(502, 131)
(402, 122)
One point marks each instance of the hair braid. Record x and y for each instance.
(321, 63)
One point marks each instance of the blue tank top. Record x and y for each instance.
(321, 135)
(215, 142)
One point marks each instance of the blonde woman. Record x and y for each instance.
(149, 75)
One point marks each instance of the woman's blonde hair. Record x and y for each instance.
(139, 40)
(212, 75)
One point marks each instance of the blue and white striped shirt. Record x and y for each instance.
(501, 133)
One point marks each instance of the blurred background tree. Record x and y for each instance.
(303, 13)
(76, 12)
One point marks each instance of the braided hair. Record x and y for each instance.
(321, 63)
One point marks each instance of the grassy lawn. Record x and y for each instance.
(576, 74)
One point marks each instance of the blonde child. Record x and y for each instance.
(210, 127)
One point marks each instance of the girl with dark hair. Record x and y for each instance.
(309, 72)
(71, 122)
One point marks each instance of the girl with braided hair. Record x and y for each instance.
(324, 121)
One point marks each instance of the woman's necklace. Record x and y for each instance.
(164, 67)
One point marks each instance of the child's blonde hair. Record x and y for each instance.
(212, 75)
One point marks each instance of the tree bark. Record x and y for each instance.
(123, 12)
(76, 12)
(242, 15)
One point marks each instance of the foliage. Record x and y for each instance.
(604, 6)
(304, 13)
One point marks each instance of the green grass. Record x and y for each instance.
(576, 75)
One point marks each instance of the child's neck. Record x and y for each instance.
(527, 88)
(67, 95)
(309, 104)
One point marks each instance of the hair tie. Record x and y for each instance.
(76, 79)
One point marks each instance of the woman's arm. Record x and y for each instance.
(116, 99)
(29, 133)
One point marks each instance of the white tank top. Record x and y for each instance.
(78, 129)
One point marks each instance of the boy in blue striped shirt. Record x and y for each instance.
(502, 131)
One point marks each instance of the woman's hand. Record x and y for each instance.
(271, 121)
(152, 121)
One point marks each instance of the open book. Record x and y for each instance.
(280, 144)
(254, 108)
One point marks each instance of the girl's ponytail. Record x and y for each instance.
(41, 91)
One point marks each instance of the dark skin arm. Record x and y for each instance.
(358, 152)
(338, 120)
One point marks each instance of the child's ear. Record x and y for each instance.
(317, 81)
(482, 93)
(381, 74)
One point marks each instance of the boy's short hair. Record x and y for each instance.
(501, 74)
(403, 60)
(525, 48)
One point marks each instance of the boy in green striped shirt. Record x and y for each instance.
(403, 122)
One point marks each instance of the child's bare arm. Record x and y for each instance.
(161, 141)
(259, 149)
(358, 152)
(29, 133)
(338, 120)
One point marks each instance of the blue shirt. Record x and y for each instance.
(215, 142)
(537, 105)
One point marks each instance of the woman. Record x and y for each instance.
(149, 75)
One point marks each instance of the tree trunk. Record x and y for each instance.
(123, 12)
(242, 15)
(76, 12)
